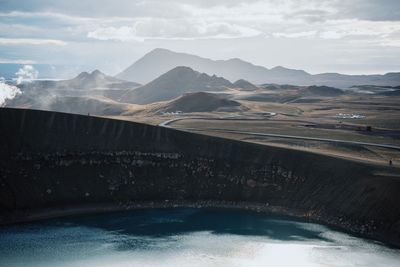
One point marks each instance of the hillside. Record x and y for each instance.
(89, 160)
(245, 85)
(174, 83)
(321, 91)
(200, 102)
(72, 104)
(159, 61)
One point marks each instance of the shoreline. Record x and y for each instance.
(31, 216)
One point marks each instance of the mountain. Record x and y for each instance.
(174, 83)
(85, 80)
(245, 85)
(160, 61)
(94, 93)
(95, 79)
(200, 102)
(321, 91)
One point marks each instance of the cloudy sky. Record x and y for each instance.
(347, 36)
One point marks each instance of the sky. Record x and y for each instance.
(346, 36)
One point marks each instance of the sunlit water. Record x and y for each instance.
(186, 237)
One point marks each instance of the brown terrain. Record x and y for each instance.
(211, 105)
(349, 117)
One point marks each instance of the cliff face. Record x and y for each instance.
(53, 160)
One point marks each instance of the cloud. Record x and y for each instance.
(17, 61)
(124, 33)
(311, 10)
(29, 41)
(57, 23)
(372, 10)
(7, 92)
(173, 29)
(100, 32)
(367, 30)
(295, 34)
(26, 74)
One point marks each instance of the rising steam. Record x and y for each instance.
(26, 74)
(7, 92)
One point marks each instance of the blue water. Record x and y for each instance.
(186, 237)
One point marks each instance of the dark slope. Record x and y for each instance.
(51, 160)
(160, 61)
(174, 83)
(200, 102)
(391, 93)
(321, 91)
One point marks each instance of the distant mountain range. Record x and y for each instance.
(95, 88)
(183, 88)
(85, 80)
(93, 92)
(159, 61)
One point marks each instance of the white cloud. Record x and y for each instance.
(295, 34)
(30, 41)
(17, 61)
(177, 29)
(124, 33)
(332, 35)
(389, 42)
(26, 74)
(349, 30)
(7, 92)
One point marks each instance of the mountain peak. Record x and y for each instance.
(278, 68)
(245, 85)
(161, 60)
(97, 72)
(159, 51)
(174, 83)
(182, 69)
(94, 79)
(82, 75)
(236, 60)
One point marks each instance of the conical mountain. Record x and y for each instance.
(245, 85)
(174, 83)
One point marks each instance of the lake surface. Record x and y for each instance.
(186, 237)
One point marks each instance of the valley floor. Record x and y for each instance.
(350, 118)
